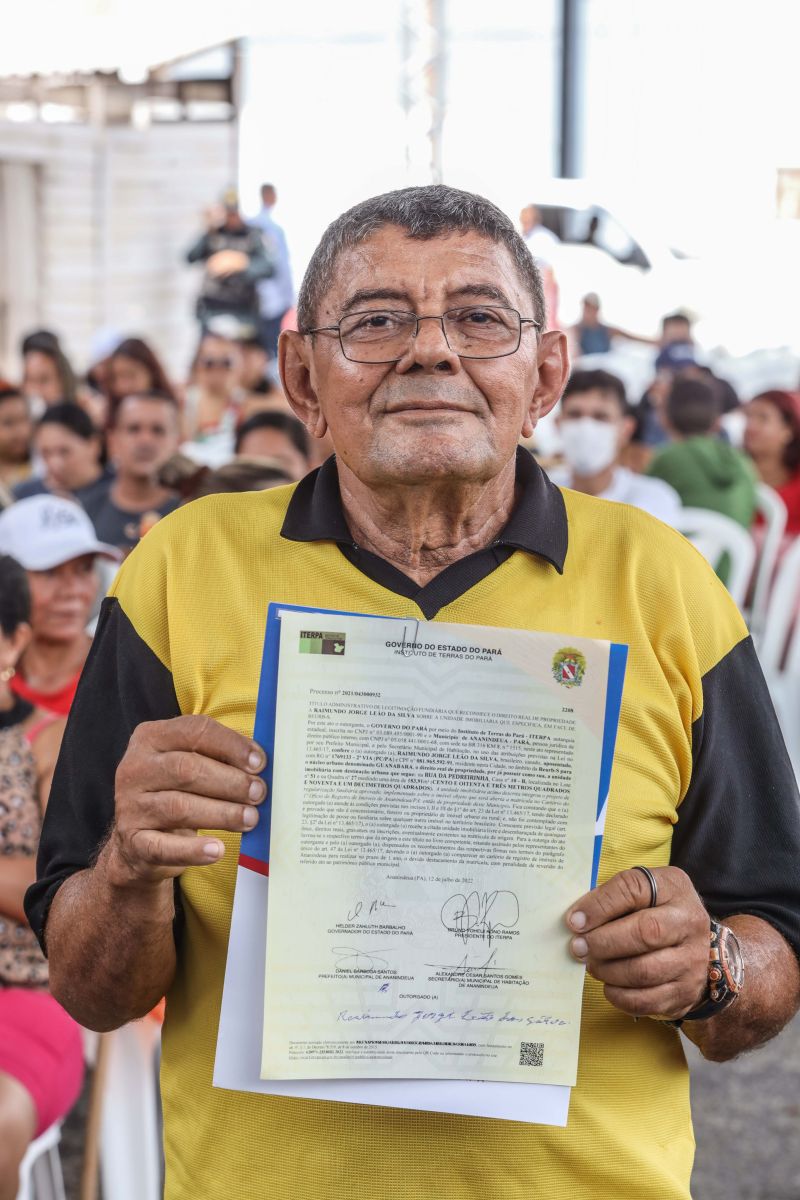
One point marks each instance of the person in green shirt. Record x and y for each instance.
(704, 470)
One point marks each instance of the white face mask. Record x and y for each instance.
(589, 445)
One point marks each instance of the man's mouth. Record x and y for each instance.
(427, 405)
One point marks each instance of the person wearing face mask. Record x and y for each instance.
(595, 426)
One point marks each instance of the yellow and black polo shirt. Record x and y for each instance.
(701, 779)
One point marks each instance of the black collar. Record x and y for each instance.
(537, 525)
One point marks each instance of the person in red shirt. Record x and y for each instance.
(772, 439)
(55, 542)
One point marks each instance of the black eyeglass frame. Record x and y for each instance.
(375, 362)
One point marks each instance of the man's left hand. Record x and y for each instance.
(652, 961)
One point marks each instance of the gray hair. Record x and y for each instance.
(423, 212)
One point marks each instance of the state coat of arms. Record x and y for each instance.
(569, 667)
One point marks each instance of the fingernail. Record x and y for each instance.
(213, 850)
(256, 790)
(578, 920)
(580, 947)
(249, 817)
(255, 760)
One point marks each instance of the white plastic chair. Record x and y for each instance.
(779, 650)
(40, 1176)
(715, 535)
(780, 622)
(773, 510)
(130, 1138)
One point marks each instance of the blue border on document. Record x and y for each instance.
(617, 661)
(255, 843)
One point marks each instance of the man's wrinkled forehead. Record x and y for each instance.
(393, 269)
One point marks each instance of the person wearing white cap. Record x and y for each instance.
(54, 540)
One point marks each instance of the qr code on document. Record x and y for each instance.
(531, 1054)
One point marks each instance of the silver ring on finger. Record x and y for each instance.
(651, 879)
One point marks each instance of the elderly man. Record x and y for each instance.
(422, 349)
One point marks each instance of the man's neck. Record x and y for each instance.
(594, 485)
(136, 493)
(422, 530)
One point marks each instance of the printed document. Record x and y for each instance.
(434, 809)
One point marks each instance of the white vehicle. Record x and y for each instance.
(744, 298)
(636, 275)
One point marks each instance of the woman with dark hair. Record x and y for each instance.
(772, 439)
(133, 368)
(48, 377)
(214, 400)
(70, 448)
(41, 1058)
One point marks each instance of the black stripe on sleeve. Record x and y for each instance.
(122, 685)
(738, 830)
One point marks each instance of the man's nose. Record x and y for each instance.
(429, 349)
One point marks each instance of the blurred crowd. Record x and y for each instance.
(89, 462)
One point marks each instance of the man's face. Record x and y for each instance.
(675, 330)
(599, 406)
(431, 415)
(16, 430)
(144, 437)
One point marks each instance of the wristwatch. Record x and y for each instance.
(725, 975)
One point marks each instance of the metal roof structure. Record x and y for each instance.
(73, 37)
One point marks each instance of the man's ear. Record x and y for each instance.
(294, 362)
(553, 372)
(628, 429)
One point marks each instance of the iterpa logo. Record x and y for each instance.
(569, 667)
(313, 642)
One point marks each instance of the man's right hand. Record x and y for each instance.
(177, 777)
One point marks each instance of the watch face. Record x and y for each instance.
(730, 957)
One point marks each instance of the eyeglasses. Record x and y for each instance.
(383, 336)
(224, 364)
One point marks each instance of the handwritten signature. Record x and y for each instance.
(438, 1017)
(361, 959)
(465, 966)
(374, 906)
(480, 913)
